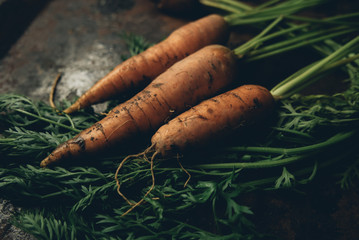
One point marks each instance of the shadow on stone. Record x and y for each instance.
(15, 17)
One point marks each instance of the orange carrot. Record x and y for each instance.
(138, 71)
(189, 81)
(213, 118)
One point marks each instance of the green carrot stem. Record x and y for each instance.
(342, 62)
(266, 14)
(301, 172)
(304, 152)
(262, 13)
(48, 120)
(319, 75)
(295, 83)
(266, 4)
(70, 120)
(240, 51)
(243, 13)
(221, 6)
(303, 39)
(338, 63)
(342, 16)
(236, 21)
(332, 20)
(256, 55)
(294, 75)
(259, 39)
(286, 7)
(302, 134)
(54, 194)
(339, 137)
(316, 76)
(259, 164)
(227, 5)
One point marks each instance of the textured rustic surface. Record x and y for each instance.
(8, 231)
(79, 39)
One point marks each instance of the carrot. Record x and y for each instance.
(212, 118)
(138, 71)
(232, 110)
(189, 81)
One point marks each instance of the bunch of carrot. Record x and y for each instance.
(184, 75)
(138, 71)
(179, 76)
(233, 110)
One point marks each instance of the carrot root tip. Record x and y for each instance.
(46, 162)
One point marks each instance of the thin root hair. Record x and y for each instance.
(148, 192)
(144, 155)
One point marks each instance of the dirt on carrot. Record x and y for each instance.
(211, 119)
(214, 118)
(191, 80)
(138, 71)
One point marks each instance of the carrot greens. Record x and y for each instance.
(246, 14)
(298, 144)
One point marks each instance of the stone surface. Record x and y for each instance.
(8, 231)
(79, 39)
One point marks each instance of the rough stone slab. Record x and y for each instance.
(79, 39)
(15, 17)
(8, 231)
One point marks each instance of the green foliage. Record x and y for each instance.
(33, 129)
(285, 180)
(135, 44)
(45, 227)
(80, 201)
